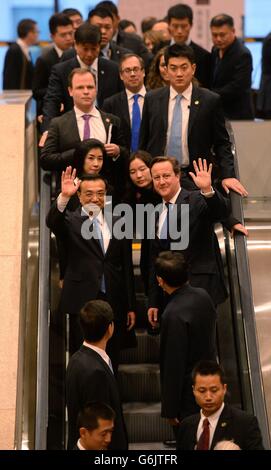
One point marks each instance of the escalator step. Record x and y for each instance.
(147, 350)
(139, 382)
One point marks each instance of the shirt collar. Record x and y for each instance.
(58, 50)
(99, 351)
(93, 112)
(187, 93)
(215, 416)
(93, 67)
(174, 198)
(79, 445)
(187, 42)
(130, 94)
(24, 47)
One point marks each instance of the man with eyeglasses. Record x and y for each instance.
(99, 264)
(128, 104)
(103, 18)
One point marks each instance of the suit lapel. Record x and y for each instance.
(72, 126)
(163, 107)
(93, 243)
(194, 107)
(222, 426)
(106, 122)
(125, 109)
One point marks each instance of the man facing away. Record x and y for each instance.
(187, 335)
(90, 375)
(217, 420)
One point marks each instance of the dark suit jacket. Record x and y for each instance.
(87, 263)
(42, 71)
(264, 94)
(187, 336)
(231, 79)
(118, 105)
(201, 251)
(206, 128)
(109, 83)
(135, 44)
(90, 379)
(63, 137)
(233, 424)
(18, 71)
(118, 51)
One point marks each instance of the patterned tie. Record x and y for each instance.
(174, 147)
(203, 442)
(99, 236)
(86, 134)
(164, 233)
(136, 121)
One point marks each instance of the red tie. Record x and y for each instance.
(203, 442)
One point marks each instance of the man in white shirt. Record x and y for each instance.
(124, 104)
(18, 67)
(216, 421)
(89, 373)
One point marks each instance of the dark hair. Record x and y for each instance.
(82, 150)
(128, 56)
(24, 27)
(93, 411)
(177, 50)
(101, 12)
(94, 177)
(174, 162)
(71, 12)
(59, 19)
(142, 155)
(221, 20)
(95, 317)
(110, 6)
(79, 71)
(147, 23)
(125, 23)
(206, 367)
(87, 34)
(172, 268)
(154, 79)
(180, 12)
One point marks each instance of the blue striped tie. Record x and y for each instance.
(174, 147)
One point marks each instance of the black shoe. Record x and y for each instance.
(170, 443)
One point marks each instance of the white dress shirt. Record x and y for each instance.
(185, 104)
(97, 129)
(93, 67)
(213, 420)
(24, 48)
(58, 51)
(130, 98)
(99, 351)
(164, 211)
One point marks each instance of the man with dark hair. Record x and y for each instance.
(103, 18)
(75, 16)
(90, 375)
(185, 121)
(216, 421)
(96, 425)
(18, 67)
(130, 41)
(231, 69)
(87, 45)
(187, 335)
(128, 104)
(180, 22)
(99, 264)
(62, 35)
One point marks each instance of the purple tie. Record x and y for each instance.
(86, 118)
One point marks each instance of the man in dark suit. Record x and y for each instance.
(132, 74)
(187, 122)
(187, 335)
(196, 233)
(18, 67)
(130, 41)
(66, 131)
(62, 35)
(96, 425)
(231, 69)
(89, 373)
(180, 22)
(216, 421)
(103, 18)
(99, 264)
(87, 45)
(264, 93)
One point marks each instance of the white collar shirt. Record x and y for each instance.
(25, 48)
(58, 51)
(99, 351)
(103, 227)
(213, 420)
(97, 129)
(130, 99)
(164, 211)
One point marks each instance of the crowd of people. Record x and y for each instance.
(142, 120)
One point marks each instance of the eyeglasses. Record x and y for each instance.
(129, 70)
